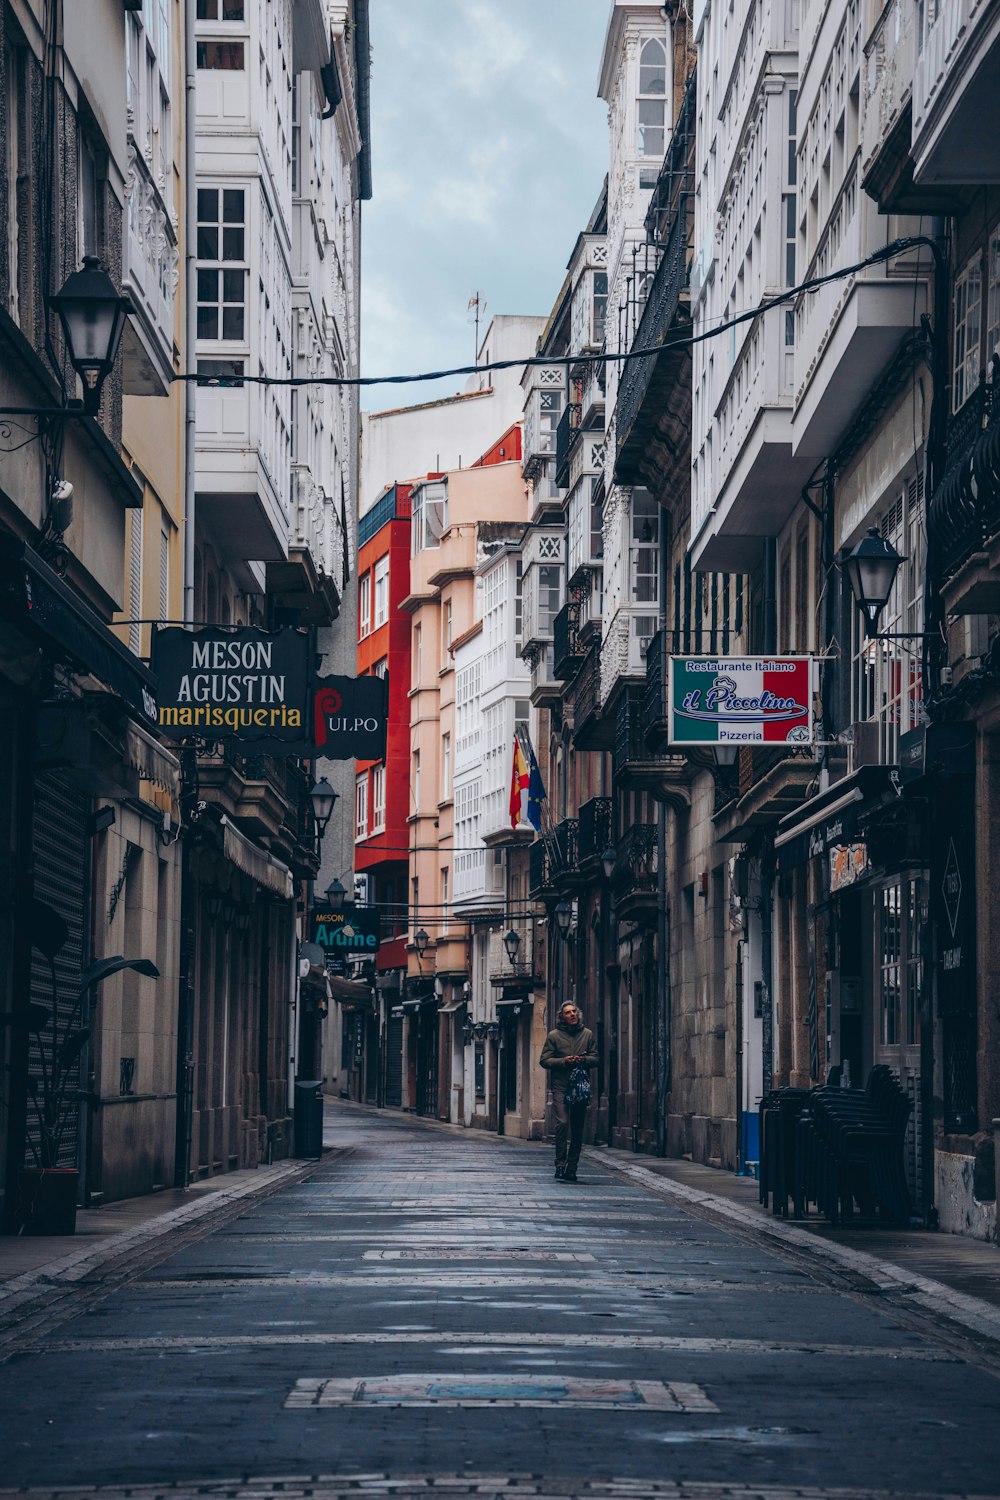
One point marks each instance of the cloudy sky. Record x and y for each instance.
(489, 147)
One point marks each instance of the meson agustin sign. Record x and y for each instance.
(245, 684)
(742, 700)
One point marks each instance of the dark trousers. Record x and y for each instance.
(569, 1129)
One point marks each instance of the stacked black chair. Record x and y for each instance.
(779, 1116)
(849, 1149)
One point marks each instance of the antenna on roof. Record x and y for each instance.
(477, 313)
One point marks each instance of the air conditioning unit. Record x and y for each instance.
(863, 744)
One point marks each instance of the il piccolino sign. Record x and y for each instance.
(742, 700)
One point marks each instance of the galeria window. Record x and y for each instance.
(222, 265)
(652, 101)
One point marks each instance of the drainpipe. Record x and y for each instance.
(191, 299)
(189, 759)
(769, 645)
(662, 912)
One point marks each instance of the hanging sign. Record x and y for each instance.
(740, 700)
(246, 685)
(848, 864)
(350, 931)
(349, 717)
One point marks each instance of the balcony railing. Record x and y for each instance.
(594, 834)
(655, 723)
(567, 653)
(591, 730)
(567, 843)
(566, 435)
(391, 507)
(636, 864)
(501, 969)
(965, 508)
(630, 744)
(658, 317)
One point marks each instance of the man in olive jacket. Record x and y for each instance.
(571, 1045)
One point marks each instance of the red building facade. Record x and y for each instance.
(381, 806)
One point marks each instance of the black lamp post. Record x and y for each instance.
(871, 570)
(92, 314)
(564, 916)
(420, 941)
(323, 799)
(512, 942)
(335, 893)
(609, 859)
(725, 754)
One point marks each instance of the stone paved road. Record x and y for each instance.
(430, 1313)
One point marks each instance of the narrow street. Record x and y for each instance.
(429, 1304)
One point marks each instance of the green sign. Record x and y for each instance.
(353, 931)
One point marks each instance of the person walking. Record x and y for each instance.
(568, 1047)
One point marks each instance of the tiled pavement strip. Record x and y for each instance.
(423, 1217)
(461, 1486)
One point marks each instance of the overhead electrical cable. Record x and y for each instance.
(685, 341)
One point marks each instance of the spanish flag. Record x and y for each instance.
(519, 779)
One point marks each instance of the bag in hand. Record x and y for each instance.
(578, 1089)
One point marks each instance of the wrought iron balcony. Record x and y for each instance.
(566, 435)
(594, 834)
(668, 776)
(567, 843)
(552, 859)
(592, 730)
(567, 653)
(964, 511)
(634, 878)
(649, 389)
(655, 724)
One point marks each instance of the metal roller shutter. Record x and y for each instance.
(61, 879)
(394, 1062)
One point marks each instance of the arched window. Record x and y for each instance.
(652, 102)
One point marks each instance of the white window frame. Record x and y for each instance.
(445, 767)
(364, 605)
(647, 97)
(967, 331)
(361, 829)
(378, 799)
(381, 592)
(221, 264)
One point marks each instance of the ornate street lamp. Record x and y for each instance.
(871, 570)
(323, 799)
(420, 941)
(564, 916)
(609, 859)
(512, 942)
(725, 754)
(92, 314)
(335, 893)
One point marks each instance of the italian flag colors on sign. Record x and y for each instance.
(743, 700)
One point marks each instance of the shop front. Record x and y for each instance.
(856, 938)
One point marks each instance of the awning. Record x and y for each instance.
(256, 862)
(36, 599)
(451, 1007)
(350, 991)
(153, 761)
(514, 1002)
(831, 817)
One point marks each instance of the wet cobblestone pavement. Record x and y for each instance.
(429, 1313)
